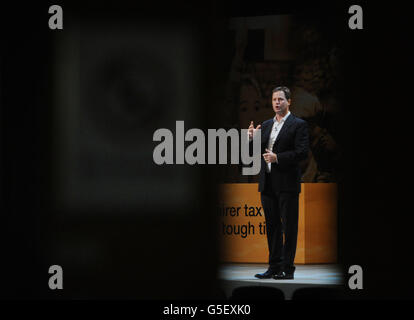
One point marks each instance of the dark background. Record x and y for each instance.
(136, 251)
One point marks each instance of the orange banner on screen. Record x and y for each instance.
(242, 226)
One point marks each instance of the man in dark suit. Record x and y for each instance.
(284, 143)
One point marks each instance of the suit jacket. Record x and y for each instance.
(291, 147)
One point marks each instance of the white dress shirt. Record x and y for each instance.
(277, 126)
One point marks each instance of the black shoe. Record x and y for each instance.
(266, 275)
(283, 276)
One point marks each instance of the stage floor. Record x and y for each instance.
(316, 275)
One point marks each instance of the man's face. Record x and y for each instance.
(279, 103)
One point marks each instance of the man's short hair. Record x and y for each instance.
(284, 89)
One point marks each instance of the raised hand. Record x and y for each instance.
(252, 130)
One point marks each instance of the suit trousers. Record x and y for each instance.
(281, 211)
